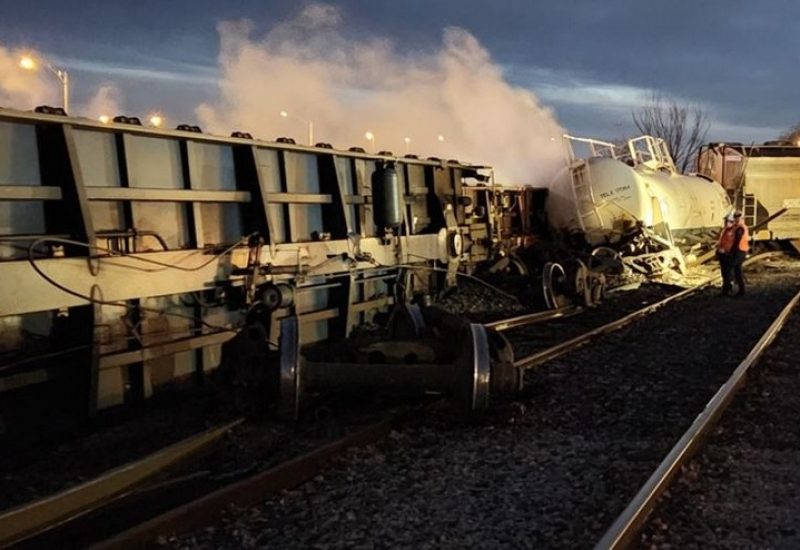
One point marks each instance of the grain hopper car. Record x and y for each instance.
(133, 257)
(762, 181)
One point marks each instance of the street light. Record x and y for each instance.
(285, 114)
(156, 120)
(407, 141)
(371, 137)
(29, 64)
(105, 119)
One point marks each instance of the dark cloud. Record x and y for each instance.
(736, 59)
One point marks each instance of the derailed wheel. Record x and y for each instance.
(290, 368)
(553, 283)
(606, 260)
(598, 289)
(406, 322)
(473, 368)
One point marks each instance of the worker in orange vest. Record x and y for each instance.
(723, 245)
(732, 247)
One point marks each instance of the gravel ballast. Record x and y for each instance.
(742, 490)
(551, 470)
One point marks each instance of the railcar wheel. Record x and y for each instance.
(553, 279)
(598, 291)
(606, 260)
(474, 368)
(291, 362)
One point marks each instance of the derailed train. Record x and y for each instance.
(133, 257)
(633, 198)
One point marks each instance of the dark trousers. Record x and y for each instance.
(731, 267)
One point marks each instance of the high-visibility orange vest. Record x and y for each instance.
(728, 235)
(744, 242)
(725, 240)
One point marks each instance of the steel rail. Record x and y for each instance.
(247, 492)
(37, 517)
(558, 350)
(626, 527)
(531, 318)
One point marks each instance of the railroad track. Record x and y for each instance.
(560, 337)
(596, 422)
(625, 530)
(252, 489)
(123, 499)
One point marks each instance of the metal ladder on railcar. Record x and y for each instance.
(749, 209)
(582, 193)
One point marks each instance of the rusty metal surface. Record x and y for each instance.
(24, 521)
(622, 532)
(245, 493)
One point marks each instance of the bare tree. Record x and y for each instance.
(682, 127)
(792, 136)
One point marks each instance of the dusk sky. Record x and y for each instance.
(589, 62)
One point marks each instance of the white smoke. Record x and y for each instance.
(347, 87)
(20, 88)
(105, 102)
(26, 89)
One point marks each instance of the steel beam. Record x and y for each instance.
(30, 193)
(164, 195)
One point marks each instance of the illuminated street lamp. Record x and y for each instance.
(156, 120)
(440, 138)
(105, 119)
(371, 137)
(29, 64)
(407, 141)
(285, 114)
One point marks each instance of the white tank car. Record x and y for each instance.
(607, 193)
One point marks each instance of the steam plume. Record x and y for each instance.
(21, 89)
(307, 67)
(106, 101)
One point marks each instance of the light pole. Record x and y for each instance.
(29, 64)
(285, 114)
(440, 139)
(371, 137)
(407, 141)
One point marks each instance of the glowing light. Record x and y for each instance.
(27, 63)
(371, 137)
(286, 114)
(156, 120)
(440, 137)
(105, 119)
(407, 140)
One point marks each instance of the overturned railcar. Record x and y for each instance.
(131, 256)
(631, 197)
